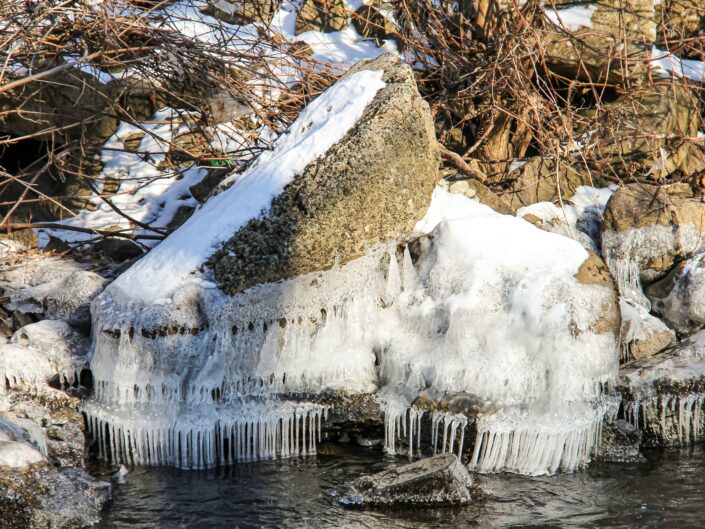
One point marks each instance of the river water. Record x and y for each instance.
(665, 492)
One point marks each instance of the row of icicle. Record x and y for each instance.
(269, 436)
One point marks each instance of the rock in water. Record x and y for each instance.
(438, 480)
(619, 443)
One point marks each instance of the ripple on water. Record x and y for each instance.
(665, 492)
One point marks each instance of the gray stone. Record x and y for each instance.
(369, 188)
(619, 443)
(618, 28)
(242, 11)
(438, 480)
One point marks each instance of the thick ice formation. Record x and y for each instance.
(39, 351)
(488, 304)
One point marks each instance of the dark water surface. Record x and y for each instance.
(666, 492)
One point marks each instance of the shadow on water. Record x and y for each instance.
(667, 491)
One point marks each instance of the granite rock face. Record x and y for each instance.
(438, 480)
(369, 188)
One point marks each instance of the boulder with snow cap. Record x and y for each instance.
(369, 188)
(41, 351)
(642, 334)
(53, 287)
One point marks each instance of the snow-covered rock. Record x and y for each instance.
(579, 217)
(55, 288)
(42, 350)
(642, 334)
(18, 456)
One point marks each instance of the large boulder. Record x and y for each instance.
(584, 38)
(439, 480)
(648, 228)
(369, 188)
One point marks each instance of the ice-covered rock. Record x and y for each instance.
(43, 350)
(439, 480)
(663, 394)
(646, 230)
(330, 291)
(642, 334)
(19, 456)
(56, 288)
(619, 443)
(578, 217)
(679, 298)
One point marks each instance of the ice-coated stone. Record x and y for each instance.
(619, 443)
(42, 350)
(56, 288)
(663, 394)
(438, 480)
(679, 298)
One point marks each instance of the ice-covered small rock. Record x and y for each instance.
(42, 350)
(642, 334)
(57, 288)
(438, 480)
(18, 455)
(680, 297)
(664, 394)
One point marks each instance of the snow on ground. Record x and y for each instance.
(572, 18)
(320, 125)
(667, 63)
(579, 218)
(152, 193)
